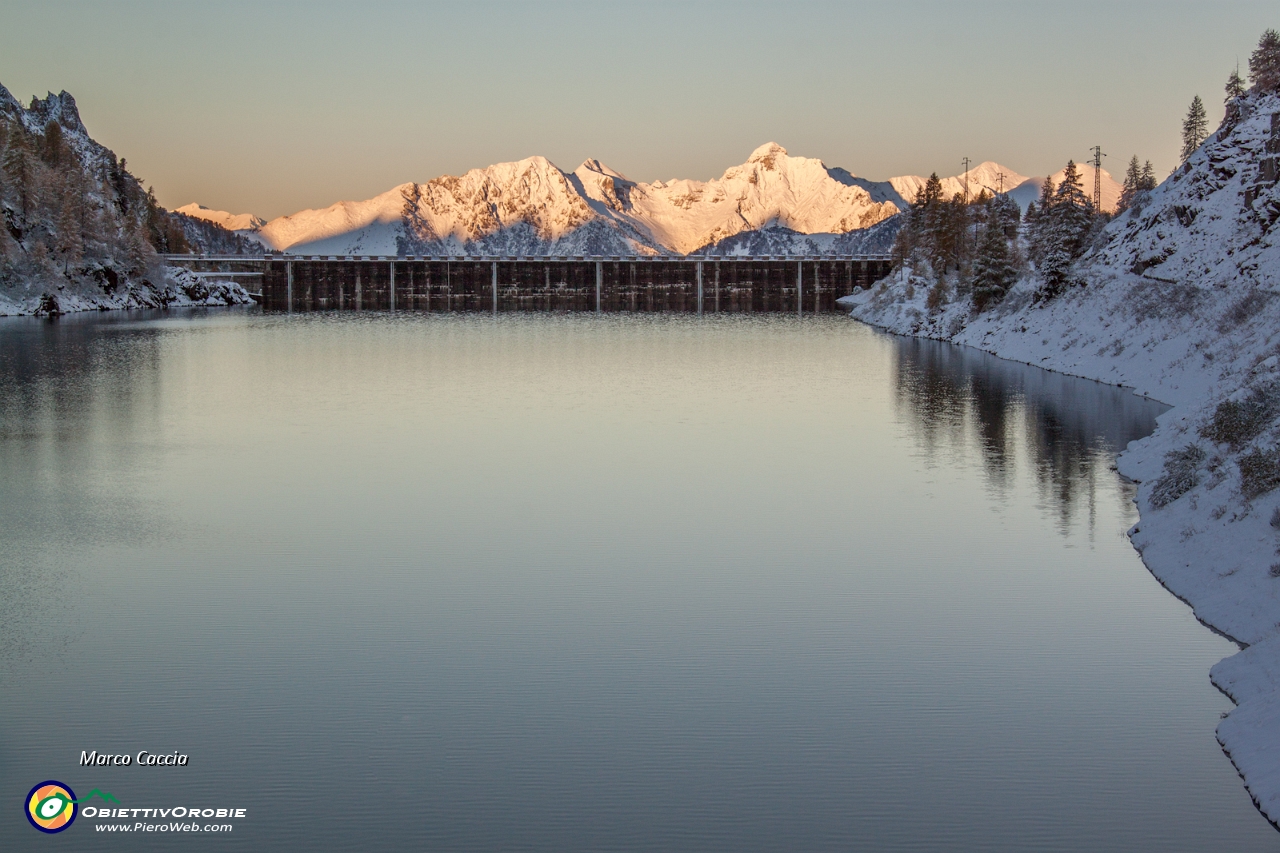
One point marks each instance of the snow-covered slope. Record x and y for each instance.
(245, 222)
(1182, 303)
(528, 206)
(771, 189)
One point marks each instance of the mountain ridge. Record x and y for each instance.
(531, 206)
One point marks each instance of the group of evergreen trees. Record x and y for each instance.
(63, 216)
(975, 242)
(1264, 71)
(1264, 63)
(72, 213)
(1137, 179)
(1059, 229)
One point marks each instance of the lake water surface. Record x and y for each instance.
(581, 583)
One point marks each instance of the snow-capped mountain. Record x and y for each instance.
(1029, 190)
(532, 207)
(772, 201)
(988, 176)
(245, 222)
(771, 189)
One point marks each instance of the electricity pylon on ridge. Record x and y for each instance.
(966, 161)
(1097, 177)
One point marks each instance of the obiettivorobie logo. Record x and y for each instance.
(52, 806)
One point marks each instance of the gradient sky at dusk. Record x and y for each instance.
(269, 107)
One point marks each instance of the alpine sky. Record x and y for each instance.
(270, 107)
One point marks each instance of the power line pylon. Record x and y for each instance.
(1097, 177)
(965, 161)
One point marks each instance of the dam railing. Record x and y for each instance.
(682, 284)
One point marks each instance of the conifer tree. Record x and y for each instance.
(1070, 203)
(1061, 233)
(1148, 180)
(137, 250)
(17, 163)
(993, 268)
(1195, 128)
(1046, 194)
(53, 147)
(1264, 63)
(1007, 214)
(1235, 86)
(929, 207)
(1038, 217)
(1132, 177)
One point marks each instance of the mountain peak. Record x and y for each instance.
(593, 165)
(7, 100)
(60, 108)
(229, 221)
(767, 153)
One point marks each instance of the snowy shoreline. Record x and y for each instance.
(1203, 337)
(1192, 571)
(182, 289)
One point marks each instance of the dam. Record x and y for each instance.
(677, 284)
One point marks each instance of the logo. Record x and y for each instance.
(51, 806)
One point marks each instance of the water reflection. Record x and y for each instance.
(80, 406)
(572, 582)
(1072, 428)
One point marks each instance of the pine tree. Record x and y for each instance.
(1038, 215)
(952, 245)
(993, 268)
(137, 250)
(1070, 204)
(1007, 214)
(1264, 63)
(120, 184)
(930, 219)
(1235, 86)
(1195, 128)
(1046, 194)
(17, 163)
(53, 148)
(1148, 180)
(1132, 178)
(1061, 233)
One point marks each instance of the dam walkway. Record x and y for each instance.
(680, 284)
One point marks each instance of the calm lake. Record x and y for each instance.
(588, 583)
